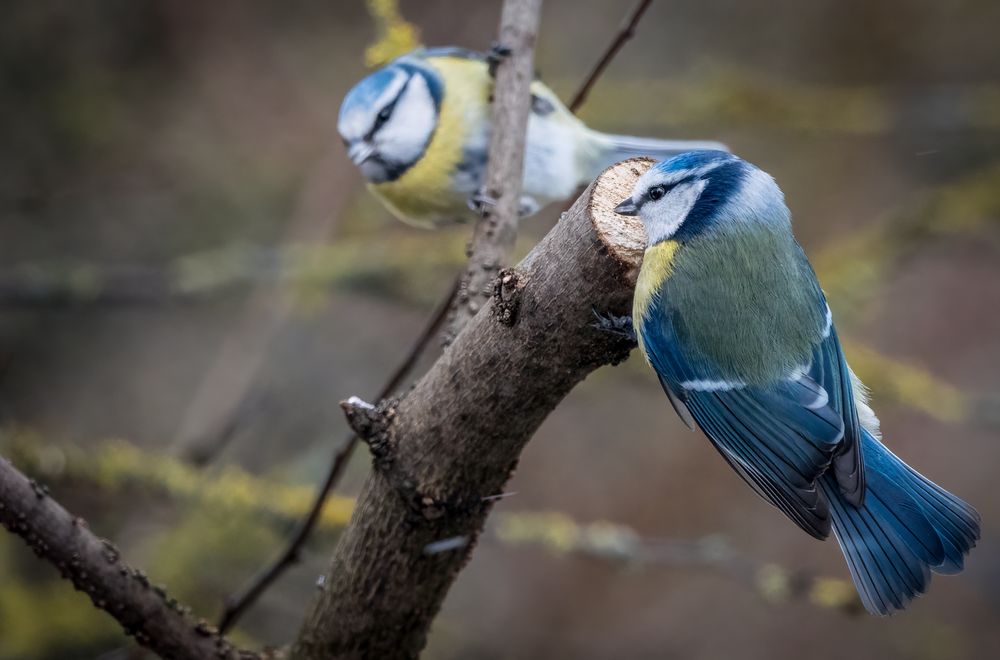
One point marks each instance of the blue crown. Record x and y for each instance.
(694, 159)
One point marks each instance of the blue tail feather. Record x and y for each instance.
(906, 528)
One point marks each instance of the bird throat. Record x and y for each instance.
(657, 266)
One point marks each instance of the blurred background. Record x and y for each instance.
(192, 276)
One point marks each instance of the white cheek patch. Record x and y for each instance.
(664, 217)
(355, 124)
(403, 138)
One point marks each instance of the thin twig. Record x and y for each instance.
(95, 567)
(626, 32)
(236, 604)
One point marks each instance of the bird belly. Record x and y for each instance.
(551, 170)
(420, 203)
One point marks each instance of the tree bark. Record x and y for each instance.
(95, 567)
(442, 450)
(495, 232)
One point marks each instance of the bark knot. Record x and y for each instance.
(507, 296)
(371, 422)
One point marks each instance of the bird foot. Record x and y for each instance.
(497, 54)
(620, 326)
(481, 203)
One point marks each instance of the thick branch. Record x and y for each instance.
(454, 440)
(496, 231)
(95, 567)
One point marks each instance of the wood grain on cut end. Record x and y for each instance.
(624, 236)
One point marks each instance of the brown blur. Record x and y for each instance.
(190, 266)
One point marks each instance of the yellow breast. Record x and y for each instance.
(423, 195)
(657, 266)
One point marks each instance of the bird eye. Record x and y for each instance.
(383, 115)
(657, 192)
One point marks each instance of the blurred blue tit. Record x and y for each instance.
(729, 314)
(419, 130)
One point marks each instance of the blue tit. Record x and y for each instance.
(729, 314)
(419, 131)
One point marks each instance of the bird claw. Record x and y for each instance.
(617, 325)
(497, 53)
(481, 203)
(527, 206)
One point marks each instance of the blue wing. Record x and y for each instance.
(780, 437)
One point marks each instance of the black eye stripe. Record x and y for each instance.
(386, 111)
(660, 191)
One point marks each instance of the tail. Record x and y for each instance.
(907, 527)
(615, 148)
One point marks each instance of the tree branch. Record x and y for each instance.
(496, 231)
(453, 441)
(626, 32)
(95, 567)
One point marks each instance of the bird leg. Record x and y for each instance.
(481, 203)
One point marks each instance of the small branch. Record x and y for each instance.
(95, 567)
(495, 233)
(626, 32)
(236, 604)
(361, 416)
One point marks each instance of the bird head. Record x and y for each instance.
(387, 119)
(684, 196)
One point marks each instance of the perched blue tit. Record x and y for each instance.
(419, 131)
(729, 314)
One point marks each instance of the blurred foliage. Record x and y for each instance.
(408, 264)
(155, 147)
(854, 269)
(45, 617)
(909, 385)
(221, 535)
(396, 36)
(738, 98)
(561, 535)
(117, 467)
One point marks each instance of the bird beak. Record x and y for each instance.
(359, 152)
(628, 207)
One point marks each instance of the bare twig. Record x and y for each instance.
(496, 231)
(626, 32)
(238, 603)
(95, 567)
